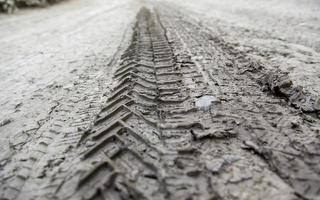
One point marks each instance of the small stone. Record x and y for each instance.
(215, 165)
(204, 102)
(231, 158)
(90, 143)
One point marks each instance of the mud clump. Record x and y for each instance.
(280, 84)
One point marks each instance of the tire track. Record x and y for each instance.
(150, 141)
(283, 136)
(135, 129)
(181, 122)
(32, 166)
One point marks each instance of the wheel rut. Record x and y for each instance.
(146, 125)
(162, 133)
(180, 123)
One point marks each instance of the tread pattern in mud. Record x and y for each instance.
(152, 140)
(34, 159)
(147, 121)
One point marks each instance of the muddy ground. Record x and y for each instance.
(161, 100)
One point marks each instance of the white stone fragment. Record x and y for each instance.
(204, 102)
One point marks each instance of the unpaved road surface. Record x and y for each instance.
(161, 100)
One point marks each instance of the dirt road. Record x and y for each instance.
(161, 100)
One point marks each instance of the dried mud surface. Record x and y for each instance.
(174, 107)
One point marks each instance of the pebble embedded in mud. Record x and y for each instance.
(215, 165)
(231, 158)
(204, 103)
(89, 143)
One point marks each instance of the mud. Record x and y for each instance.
(187, 114)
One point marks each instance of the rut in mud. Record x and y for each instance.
(184, 122)
(149, 120)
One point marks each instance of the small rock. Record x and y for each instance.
(231, 158)
(204, 102)
(215, 165)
